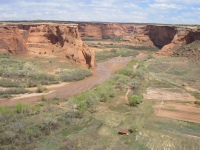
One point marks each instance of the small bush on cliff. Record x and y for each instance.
(74, 75)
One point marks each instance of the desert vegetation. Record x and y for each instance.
(17, 75)
(18, 131)
(115, 52)
(73, 75)
(155, 98)
(178, 71)
(71, 123)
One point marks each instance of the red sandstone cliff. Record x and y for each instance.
(67, 37)
(11, 41)
(64, 36)
(104, 30)
(169, 38)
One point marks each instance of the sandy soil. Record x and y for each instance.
(168, 94)
(179, 115)
(173, 103)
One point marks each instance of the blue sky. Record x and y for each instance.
(141, 11)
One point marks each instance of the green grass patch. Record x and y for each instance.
(104, 55)
(74, 75)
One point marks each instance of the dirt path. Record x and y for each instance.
(141, 56)
(102, 72)
(160, 107)
(126, 95)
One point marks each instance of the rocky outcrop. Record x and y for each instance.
(160, 35)
(166, 37)
(11, 41)
(104, 30)
(64, 36)
(17, 37)
(67, 38)
(191, 51)
(169, 38)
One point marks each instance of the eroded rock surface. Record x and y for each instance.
(18, 38)
(11, 40)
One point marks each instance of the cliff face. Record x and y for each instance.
(11, 41)
(170, 37)
(192, 36)
(39, 36)
(18, 38)
(160, 35)
(67, 38)
(104, 30)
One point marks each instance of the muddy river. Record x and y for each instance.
(102, 72)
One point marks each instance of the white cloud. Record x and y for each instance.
(105, 10)
(177, 1)
(167, 6)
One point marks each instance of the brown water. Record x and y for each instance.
(102, 72)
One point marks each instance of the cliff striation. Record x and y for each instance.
(42, 38)
(104, 30)
(170, 38)
(11, 41)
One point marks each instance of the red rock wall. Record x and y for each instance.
(192, 36)
(161, 35)
(11, 41)
(104, 30)
(67, 37)
(15, 38)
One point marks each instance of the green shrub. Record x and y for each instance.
(36, 109)
(18, 108)
(21, 108)
(128, 71)
(113, 50)
(197, 103)
(5, 111)
(41, 88)
(13, 91)
(9, 83)
(43, 98)
(134, 83)
(134, 100)
(104, 55)
(74, 75)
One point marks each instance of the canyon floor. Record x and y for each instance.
(168, 117)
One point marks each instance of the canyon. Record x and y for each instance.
(43, 38)
(19, 38)
(166, 37)
(127, 61)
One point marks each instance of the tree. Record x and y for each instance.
(134, 100)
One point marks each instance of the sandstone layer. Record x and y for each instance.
(11, 40)
(22, 38)
(165, 37)
(172, 37)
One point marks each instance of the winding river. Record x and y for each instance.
(102, 72)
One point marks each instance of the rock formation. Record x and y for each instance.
(191, 51)
(18, 38)
(104, 30)
(166, 37)
(11, 41)
(64, 36)
(169, 38)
